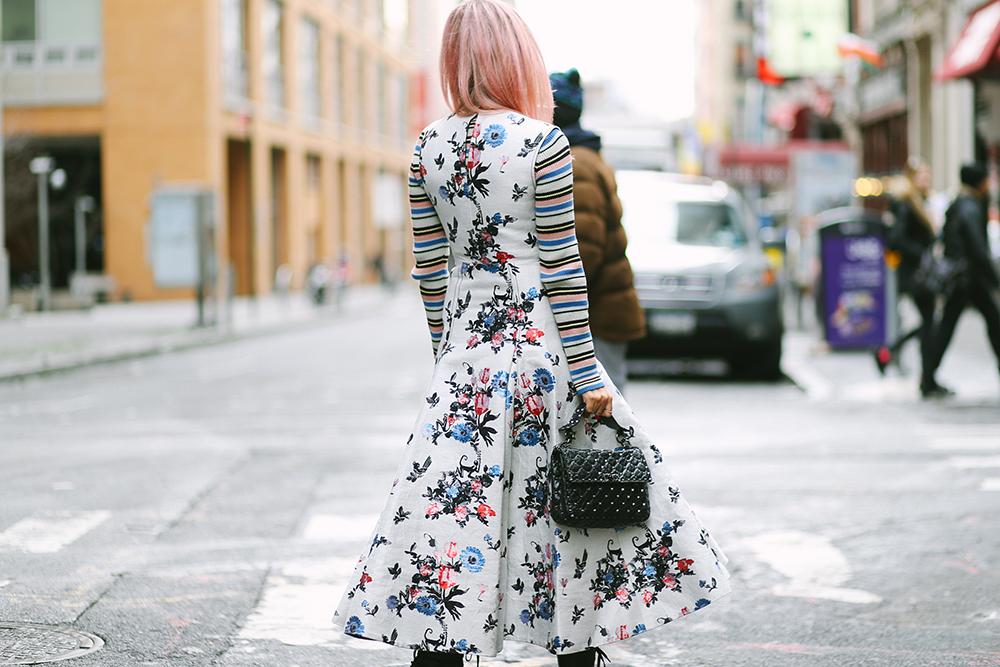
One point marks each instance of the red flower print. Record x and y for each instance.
(474, 341)
(550, 580)
(482, 403)
(433, 509)
(461, 513)
(511, 312)
(458, 179)
(533, 334)
(684, 611)
(452, 550)
(497, 339)
(413, 592)
(423, 170)
(484, 376)
(463, 398)
(485, 511)
(684, 564)
(445, 577)
(472, 157)
(475, 131)
(663, 551)
(425, 570)
(520, 316)
(451, 420)
(647, 596)
(669, 581)
(365, 578)
(622, 633)
(525, 380)
(529, 517)
(502, 257)
(622, 594)
(597, 601)
(477, 486)
(534, 404)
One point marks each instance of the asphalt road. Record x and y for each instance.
(205, 508)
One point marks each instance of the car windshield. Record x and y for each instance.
(651, 217)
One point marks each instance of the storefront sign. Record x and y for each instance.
(854, 288)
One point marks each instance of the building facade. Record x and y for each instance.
(295, 114)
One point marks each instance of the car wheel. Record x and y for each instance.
(760, 362)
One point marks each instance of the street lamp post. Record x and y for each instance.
(84, 205)
(4, 258)
(42, 167)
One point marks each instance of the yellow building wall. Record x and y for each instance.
(155, 124)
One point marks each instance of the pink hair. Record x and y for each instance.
(490, 61)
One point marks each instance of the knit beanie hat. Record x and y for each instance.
(568, 94)
(973, 175)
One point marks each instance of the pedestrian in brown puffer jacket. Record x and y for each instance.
(615, 314)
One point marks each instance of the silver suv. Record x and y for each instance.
(703, 280)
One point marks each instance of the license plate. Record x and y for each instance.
(677, 323)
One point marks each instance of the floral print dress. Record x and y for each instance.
(465, 554)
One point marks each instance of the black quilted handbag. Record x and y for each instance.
(598, 488)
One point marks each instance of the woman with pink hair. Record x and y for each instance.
(466, 553)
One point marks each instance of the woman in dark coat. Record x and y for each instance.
(911, 235)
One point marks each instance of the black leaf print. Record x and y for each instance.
(418, 472)
(530, 145)
(577, 614)
(491, 624)
(401, 514)
(373, 611)
(395, 571)
(519, 192)
(439, 160)
(581, 566)
(518, 586)
(433, 400)
(657, 456)
(532, 240)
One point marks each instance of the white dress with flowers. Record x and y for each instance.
(465, 554)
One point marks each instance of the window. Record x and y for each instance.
(273, 59)
(339, 92)
(54, 21)
(309, 37)
(234, 49)
(381, 125)
(360, 118)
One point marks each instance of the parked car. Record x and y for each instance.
(703, 280)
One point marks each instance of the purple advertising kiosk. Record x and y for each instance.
(857, 300)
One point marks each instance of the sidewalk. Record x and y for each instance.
(969, 367)
(34, 343)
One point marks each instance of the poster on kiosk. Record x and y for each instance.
(856, 287)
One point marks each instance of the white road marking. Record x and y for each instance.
(974, 462)
(337, 528)
(50, 532)
(816, 568)
(990, 484)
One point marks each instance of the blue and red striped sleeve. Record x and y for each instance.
(430, 248)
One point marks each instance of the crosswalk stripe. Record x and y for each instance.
(49, 532)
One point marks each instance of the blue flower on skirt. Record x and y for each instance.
(392, 603)
(667, 528)
(650, 571)
(543, 610)
(545, 380)
(462, 644)
(528, 437)
(354, 626)
(500, 380)
(639, 628)
(526, 617)
(472, 559)
(495, 135)
(462, 432)
(701, 603)
(497, 219)
(532, 293)
(427, 431)
(443, 191)
(452, 491)
(495, 471)
(426, 605)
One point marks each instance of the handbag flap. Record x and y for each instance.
(609, 466)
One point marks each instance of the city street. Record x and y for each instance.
(205, 507)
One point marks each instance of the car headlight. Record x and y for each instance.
(753, 279)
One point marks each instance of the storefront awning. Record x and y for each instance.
(975, 51)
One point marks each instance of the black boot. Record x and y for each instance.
(585, 658)
(435, 659)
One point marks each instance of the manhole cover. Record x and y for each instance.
(30, 644)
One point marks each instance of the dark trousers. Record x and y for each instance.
(985, 302)
(926, 303)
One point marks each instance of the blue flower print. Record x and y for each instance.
(526, 617)
(453, 491)
(426, 605)
(487, 537)
(462, 644)
(500, 381)
(354, 626)
(639, 628)
(496, 135)
(543, 610)
(650, 571)
(667, 528)
(701, 603)
(495, 471)
(490, 319)
(427, 431)
(556, 557)
(545, 380)
(392, 603)
(497, 219)
(609, 578)
(443, 191)
(556, 642)
(532, 293)
(462, 432)
(472, 559)
(528, 437)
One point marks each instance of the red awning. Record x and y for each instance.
(976, 47)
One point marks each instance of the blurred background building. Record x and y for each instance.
(297, 115)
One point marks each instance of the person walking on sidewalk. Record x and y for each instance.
(911, 235)
(465, 553)
(965, 241)
(615, 314)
